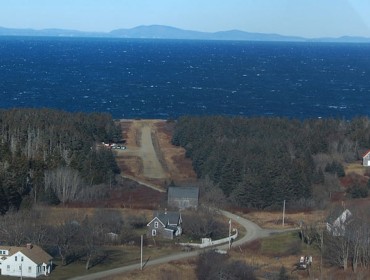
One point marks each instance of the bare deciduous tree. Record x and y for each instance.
(338, 250)
(64, 181)
(204, 223)
(65, 233)
(211, 194)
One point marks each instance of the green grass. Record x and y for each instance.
(282, 244)
(117, 257)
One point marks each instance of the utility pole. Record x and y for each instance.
(283, 213)
(229, 234)
(141, 253)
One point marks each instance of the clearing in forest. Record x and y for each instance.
(150, 157)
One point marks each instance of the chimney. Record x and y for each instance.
(29, 246)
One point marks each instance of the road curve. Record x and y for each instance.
(253, 231)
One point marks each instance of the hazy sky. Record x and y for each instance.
(308, 18)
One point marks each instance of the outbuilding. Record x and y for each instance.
(183, 197)
(366, 158)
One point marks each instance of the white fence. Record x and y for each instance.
(208, 242)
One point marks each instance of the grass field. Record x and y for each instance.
(116, 257)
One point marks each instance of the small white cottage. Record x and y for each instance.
(366, 158)
(29, 261)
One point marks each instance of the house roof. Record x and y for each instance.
(168, 217)
(183, 192)
(35, 253)
(156, 219)
(366, 153)
(338, 213)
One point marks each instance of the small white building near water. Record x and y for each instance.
(29, 261)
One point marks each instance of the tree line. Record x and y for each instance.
(259, 162)
(50, 154)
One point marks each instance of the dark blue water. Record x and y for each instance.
(167, 79)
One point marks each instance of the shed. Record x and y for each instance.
(366, 158)
(183, 197)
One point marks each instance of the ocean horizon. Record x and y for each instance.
(165, 79)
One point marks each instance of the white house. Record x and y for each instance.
(30, 261)
(338, 221)
(366, 158)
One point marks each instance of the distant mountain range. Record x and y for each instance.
(167, 32)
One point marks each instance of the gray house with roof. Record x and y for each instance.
(165, 224)
(183, 197)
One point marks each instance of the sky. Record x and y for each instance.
(306, 18)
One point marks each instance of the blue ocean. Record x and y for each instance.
(166, 79)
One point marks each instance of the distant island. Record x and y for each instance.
(168, 32)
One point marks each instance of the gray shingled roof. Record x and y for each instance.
(183, 192)
(169, 217)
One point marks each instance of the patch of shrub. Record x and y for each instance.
(358, 191)
(212, 265)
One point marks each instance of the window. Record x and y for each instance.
(22, 259)
(8, 267)
(154, 232)
(29, 268)
(155, 224)
(16, 258)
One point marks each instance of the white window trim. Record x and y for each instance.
(154, 232)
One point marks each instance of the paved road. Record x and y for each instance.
(253, 231)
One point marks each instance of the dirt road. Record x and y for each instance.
(142, 147)
(150, 157)
(152, 166)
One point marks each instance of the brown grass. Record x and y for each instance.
(356, 168)
(54, 215)
(179, 270)
(179, 167)
(273, 220)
